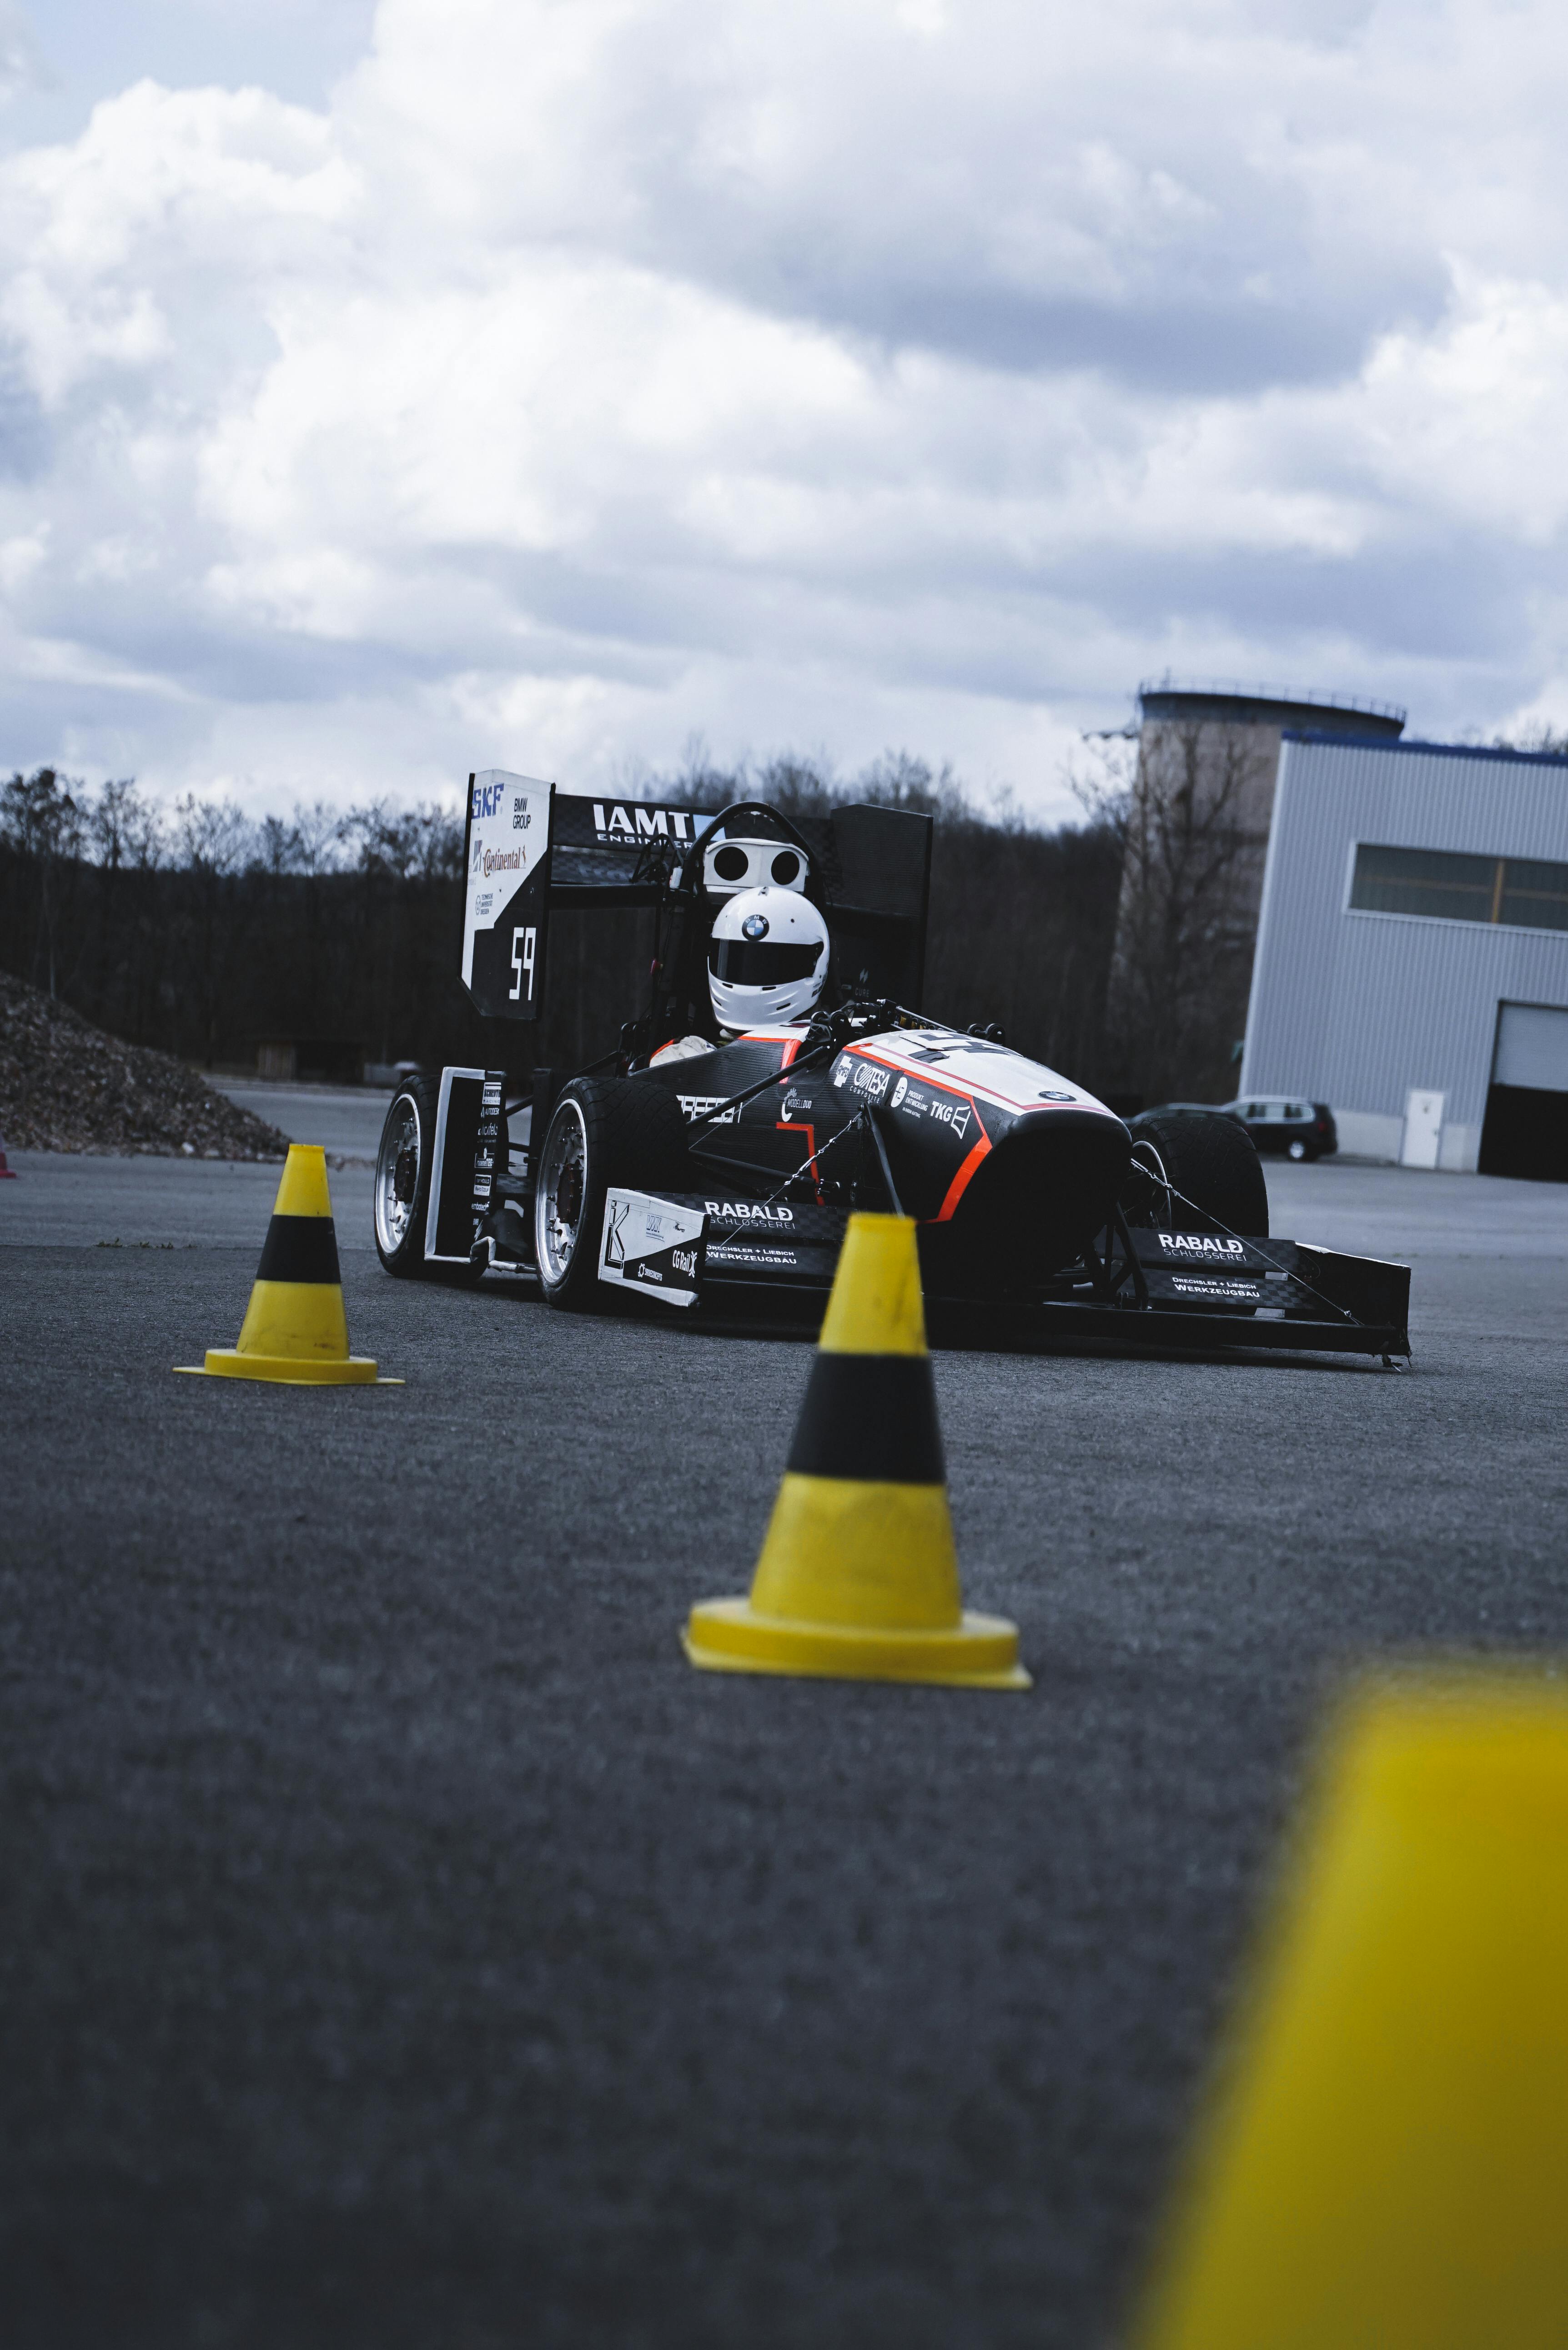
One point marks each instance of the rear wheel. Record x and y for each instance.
(402, 1193)
(1212, 1162)
(603, 1130)
(1298, 1149)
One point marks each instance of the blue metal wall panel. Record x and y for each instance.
(1355, 1008)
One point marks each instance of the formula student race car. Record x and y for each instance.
(710, 1163)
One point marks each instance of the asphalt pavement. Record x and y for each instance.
(406, 1946)
(345, 1120)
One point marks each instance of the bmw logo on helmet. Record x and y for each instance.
(756, 925)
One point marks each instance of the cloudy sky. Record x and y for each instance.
(391, 390)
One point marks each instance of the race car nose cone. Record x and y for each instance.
(858, 1577)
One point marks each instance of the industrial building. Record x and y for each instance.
(1192, 877)
(1411, 965)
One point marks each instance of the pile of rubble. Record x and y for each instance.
(65, 1085)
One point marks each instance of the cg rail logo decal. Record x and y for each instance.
(694, 1106)
(749, 1211)
(1200, 1244)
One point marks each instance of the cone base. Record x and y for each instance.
(288, 1370)
(728, 1636)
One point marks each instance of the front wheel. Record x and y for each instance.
(402, 1193)
(603, 1130)
(1212, 1164)
(1297, 1149)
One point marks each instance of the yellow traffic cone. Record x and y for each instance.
(295, 1328)
(859, 1578)
(1387, 2168)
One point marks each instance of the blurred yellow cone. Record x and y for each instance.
(858, 1577)
(1386, 2164)
(295, 1329)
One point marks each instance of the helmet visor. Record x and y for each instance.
(759, 962)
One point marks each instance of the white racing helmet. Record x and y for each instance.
(767, 959)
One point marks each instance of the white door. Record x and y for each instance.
(1423, 1128)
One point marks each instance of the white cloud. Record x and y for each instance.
(839, 376)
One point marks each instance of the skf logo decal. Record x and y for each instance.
(1199, 1244)
(487, 800)
(899, 1090)
(752, 1212)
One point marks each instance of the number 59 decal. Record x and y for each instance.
(521, 963)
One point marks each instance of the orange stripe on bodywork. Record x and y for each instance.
(790, 1050)
(963, 1179)
(796, 1126)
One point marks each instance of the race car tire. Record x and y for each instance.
(403, 1191)
(602, 1131)
(1214, 1164)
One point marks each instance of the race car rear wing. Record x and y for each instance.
(529, 847)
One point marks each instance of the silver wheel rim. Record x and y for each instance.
(563, 1168)
(400, 1134)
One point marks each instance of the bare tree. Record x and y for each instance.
(1194, 825)
(41, 817)
(123, 830)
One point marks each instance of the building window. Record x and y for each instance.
(1516, 890)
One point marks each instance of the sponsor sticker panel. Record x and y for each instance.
(654, 1245)
(505, 902)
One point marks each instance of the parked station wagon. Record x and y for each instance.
(1283, 1122)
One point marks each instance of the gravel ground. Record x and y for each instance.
(66, 1085)
(405, 1947)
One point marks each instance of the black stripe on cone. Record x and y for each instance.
(872, 1418)
(299, 1248)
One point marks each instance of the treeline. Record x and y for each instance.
(195, 929)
